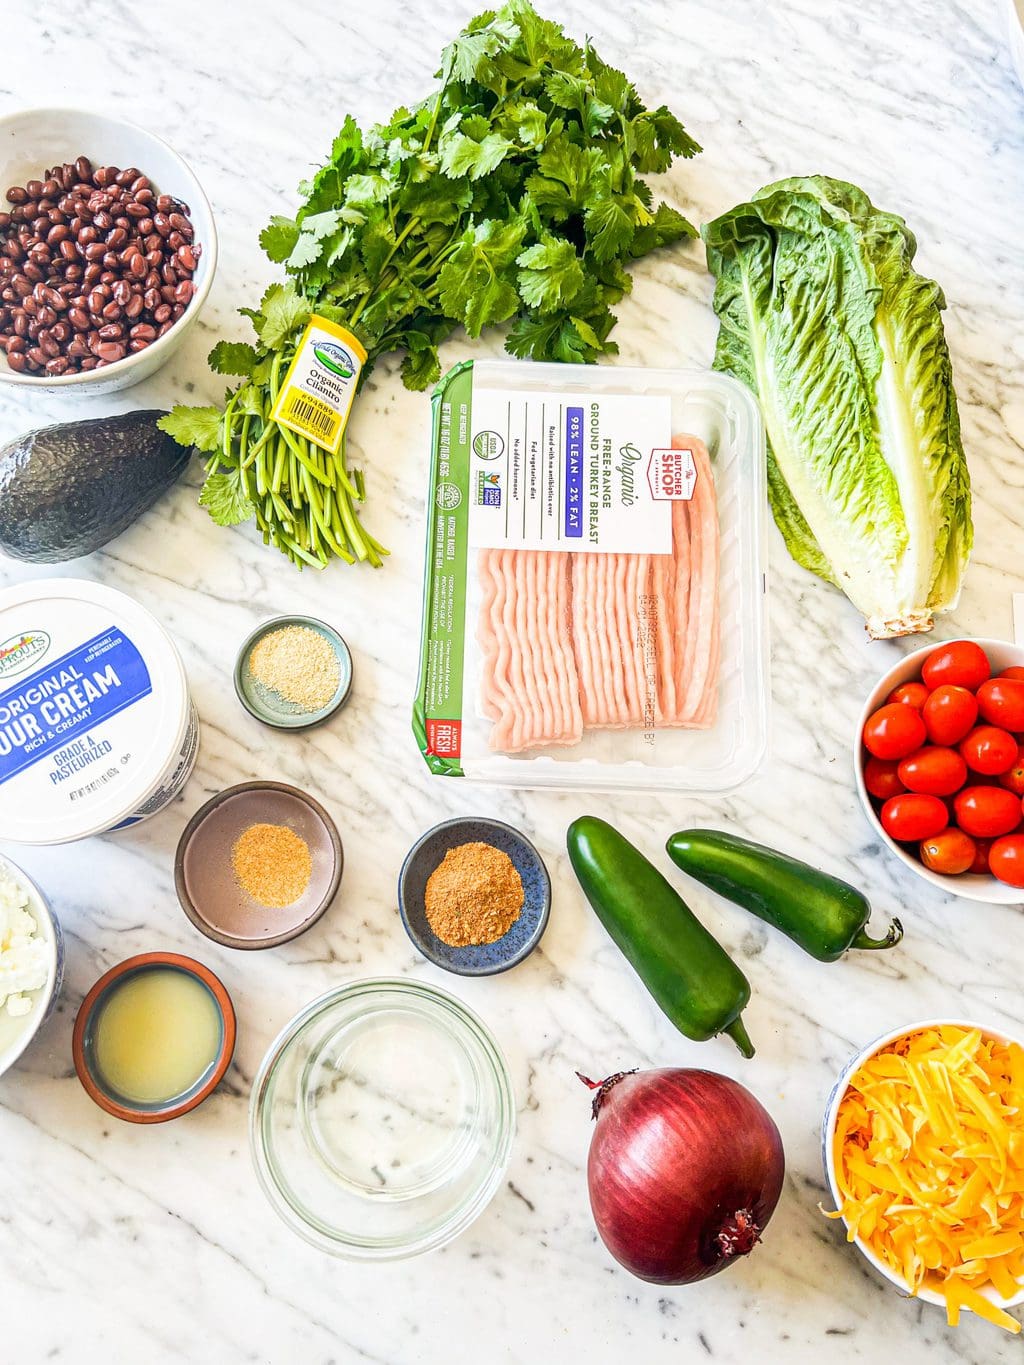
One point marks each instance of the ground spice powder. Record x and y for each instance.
(299, 664)
(272, 864)
(473, 896)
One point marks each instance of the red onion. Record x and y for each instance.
(685, 1170)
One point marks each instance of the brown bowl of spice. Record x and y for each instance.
(293, 672)
(257, 865)
(474, 896)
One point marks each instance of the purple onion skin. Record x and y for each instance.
(685, 1170)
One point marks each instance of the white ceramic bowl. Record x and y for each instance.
(828, 1134)
(16, 1032)
(36, 139)
(1015, 30)
(971, 886)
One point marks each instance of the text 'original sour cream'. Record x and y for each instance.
(97, 729)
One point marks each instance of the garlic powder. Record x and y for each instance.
(23, 955)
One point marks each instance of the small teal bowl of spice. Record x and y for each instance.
(293, 672)
(474, 896)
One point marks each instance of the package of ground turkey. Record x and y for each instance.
(575, 641)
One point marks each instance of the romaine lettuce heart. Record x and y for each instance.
(824, 317)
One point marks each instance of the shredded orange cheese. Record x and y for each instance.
(929, 1160)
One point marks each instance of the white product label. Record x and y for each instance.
(574, 471)
(54, 731)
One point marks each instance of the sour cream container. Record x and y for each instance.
(97, 727)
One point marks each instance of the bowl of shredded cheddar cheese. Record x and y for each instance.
(923, 1147)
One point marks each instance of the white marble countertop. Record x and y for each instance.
(129, 1244)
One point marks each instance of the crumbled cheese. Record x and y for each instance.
(929, 1155)
(23, 956)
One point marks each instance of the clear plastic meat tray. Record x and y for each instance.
(570, 638)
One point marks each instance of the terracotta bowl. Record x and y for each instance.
(82, 1040)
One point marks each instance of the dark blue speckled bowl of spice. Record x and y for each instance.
(485, 959)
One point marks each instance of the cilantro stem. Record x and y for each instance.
(297, 551)
(268, 431)
(294, 482)
(226, 425)
(321, 521)
(390, 275)
(410, 226)
(432, 126)
(302, 457)
(279, 463)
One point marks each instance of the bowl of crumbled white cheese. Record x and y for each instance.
(31, 961)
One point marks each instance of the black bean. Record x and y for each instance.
(93, 264)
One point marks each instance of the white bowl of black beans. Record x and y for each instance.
(107, 251)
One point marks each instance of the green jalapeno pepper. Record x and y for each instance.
(823, 914)
(688, 972)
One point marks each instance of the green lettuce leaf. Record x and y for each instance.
(823, 316)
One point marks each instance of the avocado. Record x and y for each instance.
(66, 490)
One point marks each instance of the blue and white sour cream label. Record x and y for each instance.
(97, 729)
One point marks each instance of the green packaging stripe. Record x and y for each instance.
(437, 710)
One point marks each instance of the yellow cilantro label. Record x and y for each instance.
(316, 397)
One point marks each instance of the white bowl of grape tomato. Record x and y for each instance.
(960, 743)
(96, 331)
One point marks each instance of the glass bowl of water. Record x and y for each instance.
(382, 1120)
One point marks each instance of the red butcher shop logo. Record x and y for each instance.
(671, 474)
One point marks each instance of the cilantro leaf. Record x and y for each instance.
(555, 338)
(463, 155)
(249, 398)
(565, 90)
(541, 41)
(232, 357)
(438, 200)
(562, 181)
(321, 225)
(421, 365)
(524, 122)
(671, 133)
(551, 274)
(377, 241)
(468, 57)
(587, 333)
(282, 310)
(609, 227)
(476, 126)
(611, 87)
(199, 427)
(225, 498)
(278, 238)
(347, 147)
(653, 138)
(262, 370)
(531, 338)
(667, 226)
(370, 188)
(476, 283)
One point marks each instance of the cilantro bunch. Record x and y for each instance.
(511, 195)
